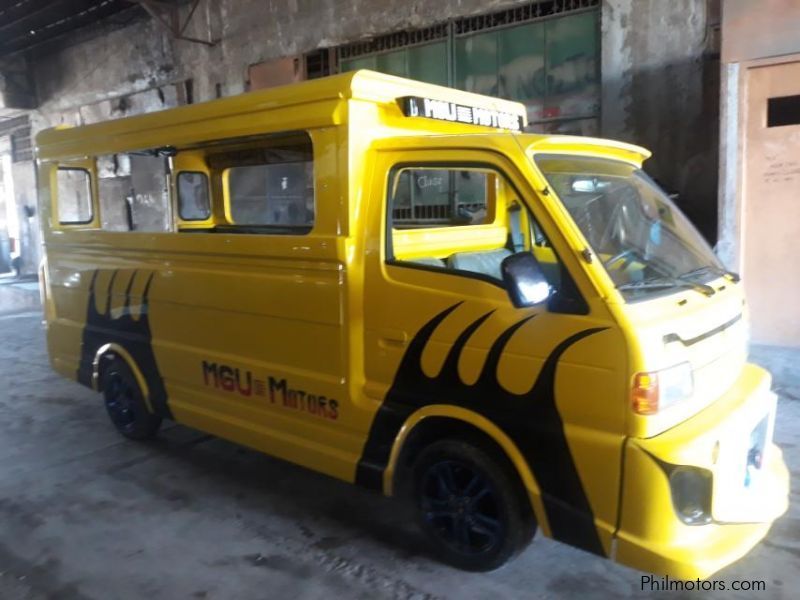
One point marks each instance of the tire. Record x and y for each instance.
(471, 505)
(125, 404)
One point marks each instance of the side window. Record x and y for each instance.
(462, 220)
(272, 194)
(194, 202)
(269, 188)
(450, 197)
(74, 196)
(114, 186)
(134, 192)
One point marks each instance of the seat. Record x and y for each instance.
(428, 261)
(486, 262)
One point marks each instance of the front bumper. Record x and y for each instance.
(652, 537)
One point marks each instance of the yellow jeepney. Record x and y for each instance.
(391, 283)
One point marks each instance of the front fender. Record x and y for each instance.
(481, 423)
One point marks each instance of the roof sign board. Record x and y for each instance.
(441, 110)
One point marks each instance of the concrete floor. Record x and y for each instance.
(87, 514)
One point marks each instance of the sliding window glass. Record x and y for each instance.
(194, 202)
(134, 192)
(74, 197)
(268, 189)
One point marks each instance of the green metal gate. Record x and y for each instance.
(544, 54)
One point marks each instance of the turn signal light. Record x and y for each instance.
(644, 396)
(657, 390)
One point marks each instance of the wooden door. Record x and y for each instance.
(771, 201)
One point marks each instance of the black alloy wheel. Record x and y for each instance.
(471, 505)
(125, 403)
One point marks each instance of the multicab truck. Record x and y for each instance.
(391, 283)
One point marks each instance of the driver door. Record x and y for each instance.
(440, 329)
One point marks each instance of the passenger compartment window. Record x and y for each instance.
(134, 192)
(276, 194)
(270, 188)
(74, 196)
(194, 202)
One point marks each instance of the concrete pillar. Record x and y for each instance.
(728, 205)
(616, 69)
(660, 90)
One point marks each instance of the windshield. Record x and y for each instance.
(646, 244)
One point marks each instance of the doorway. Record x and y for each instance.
(770, 225)
(9, 222)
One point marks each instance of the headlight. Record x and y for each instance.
(691, 494)
(657, 390)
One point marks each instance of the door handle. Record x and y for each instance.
(392, 338)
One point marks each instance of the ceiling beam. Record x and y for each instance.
(64, 16)
(168, 16)
(35, 15)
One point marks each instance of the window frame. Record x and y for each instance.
(91, 197)
(393, 172)
(568, 284)
(210, 212)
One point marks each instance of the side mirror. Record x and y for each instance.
(525, 280)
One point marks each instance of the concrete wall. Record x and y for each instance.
(762, 29)
(106, 75)
(750, 31)
(758, 209)
(659, 90)
(142, 56)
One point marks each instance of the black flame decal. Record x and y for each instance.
(531, 420)
(131, 333)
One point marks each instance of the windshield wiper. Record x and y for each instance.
(668, 282)
(710, 269)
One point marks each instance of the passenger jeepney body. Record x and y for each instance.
(330, 345)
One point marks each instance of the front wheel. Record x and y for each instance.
(471, 505)
(125, 403)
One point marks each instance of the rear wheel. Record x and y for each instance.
(471, 505)
(125, 403)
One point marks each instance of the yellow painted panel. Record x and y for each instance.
(298, 345)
